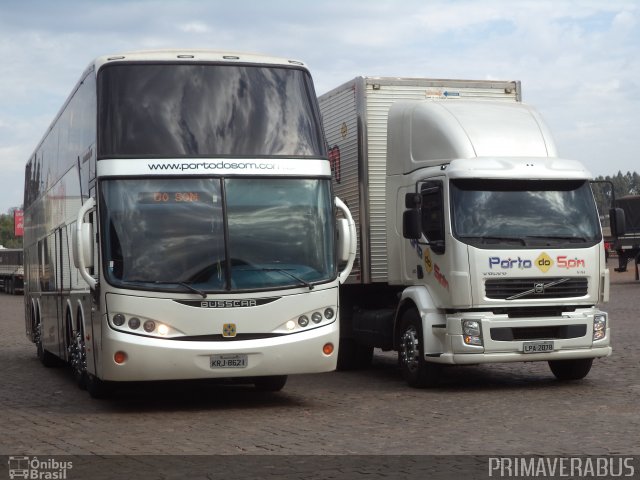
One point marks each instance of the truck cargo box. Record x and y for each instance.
(355, 121)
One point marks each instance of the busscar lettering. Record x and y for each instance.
(240, 303)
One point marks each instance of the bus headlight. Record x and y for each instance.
(308, 320)
(152, 328)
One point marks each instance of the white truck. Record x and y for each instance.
(11, 270)
(476, 243)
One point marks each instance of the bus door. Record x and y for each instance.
(49, 301)
(64, 304)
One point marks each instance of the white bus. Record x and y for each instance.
(180, 224)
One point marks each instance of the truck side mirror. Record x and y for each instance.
(617, 222)
(412, 200)
(412, 224)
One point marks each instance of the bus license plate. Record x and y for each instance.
(229, 361)
(537, 347)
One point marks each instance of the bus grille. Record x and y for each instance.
(527, 288)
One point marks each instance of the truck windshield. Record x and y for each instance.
(212, 234)
(185, 110)
(522, 214)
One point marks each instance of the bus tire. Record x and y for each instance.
(48, 359)
(415, 370)
(97, 388)
(273, 383)
(78, 353)
(567, 370)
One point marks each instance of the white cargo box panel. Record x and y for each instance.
(355, 123)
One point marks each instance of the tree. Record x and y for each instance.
(7, 237)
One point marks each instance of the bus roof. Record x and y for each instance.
(191, 55)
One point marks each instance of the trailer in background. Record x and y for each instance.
(11, 270)
(625, 232)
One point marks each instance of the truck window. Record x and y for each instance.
(521, 214)
(433, 215)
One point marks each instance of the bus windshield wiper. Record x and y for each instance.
(295, 277)
(182, 284)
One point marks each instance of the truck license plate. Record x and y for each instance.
(238, 360)
(537, 347)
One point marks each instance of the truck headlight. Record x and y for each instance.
(472, 332)
(599, 327)
(471, 327)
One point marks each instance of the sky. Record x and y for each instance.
(578, 60)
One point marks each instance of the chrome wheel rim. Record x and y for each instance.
(410, 349)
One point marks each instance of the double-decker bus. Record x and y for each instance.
(180, 224)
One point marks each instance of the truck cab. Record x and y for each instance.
(496, 239)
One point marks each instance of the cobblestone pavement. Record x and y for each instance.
(504, 409)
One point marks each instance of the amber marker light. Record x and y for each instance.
(119, 357)
(327, 349)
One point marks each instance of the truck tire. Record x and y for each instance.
(273, 383)
(571, 369)
(416, 371)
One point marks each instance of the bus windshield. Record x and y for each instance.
(521, 214)
(213, 234)
(185, 110)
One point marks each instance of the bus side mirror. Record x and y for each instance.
(83, 244)
(412, 224)
(84, 247)
(344, 240)
(617, 222)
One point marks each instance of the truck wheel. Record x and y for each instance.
(270, 384)
(416, 371)
(353, 356)
(571, 369)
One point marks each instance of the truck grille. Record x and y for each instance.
(506, 334)
(526, 288)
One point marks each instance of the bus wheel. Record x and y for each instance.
(78, 355)
(47, 358)
(97, 388)
(270, 384)
(571, 369)
(416, 371)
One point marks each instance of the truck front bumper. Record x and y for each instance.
(505, 339)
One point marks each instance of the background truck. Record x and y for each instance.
(476, 244)
(11, 270)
